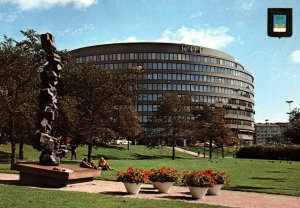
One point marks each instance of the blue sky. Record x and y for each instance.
(238, 27)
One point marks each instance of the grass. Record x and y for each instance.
(278, 177)
(217, 152)
(38, 198)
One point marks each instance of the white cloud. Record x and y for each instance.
(209, 37)
(9, 17)
(296, 56)
(77, 30)
(248, 5)
(193, 16)
(132, 39)
(46, 4)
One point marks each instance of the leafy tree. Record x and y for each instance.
(210, 125)
(170, 120)
(19, 65)
(292, 131)
(98, 103)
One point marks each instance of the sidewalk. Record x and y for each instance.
(178, 193)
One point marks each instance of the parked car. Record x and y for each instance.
(120, 141)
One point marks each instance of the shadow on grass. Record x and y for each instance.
(149, 157)
(275, 171)
(185, 198)
(249, 188)
(270, 179)
(116, 147)
(107, 157)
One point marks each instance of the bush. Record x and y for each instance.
(273, 153)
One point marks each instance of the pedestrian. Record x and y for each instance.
(73, 151)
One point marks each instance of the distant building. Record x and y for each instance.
(211, 75)
(264, 132)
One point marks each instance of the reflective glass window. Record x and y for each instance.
(165, 76)
(179, 57)
(159, 66)
(159, 86)
(165, 87)
(165, 66)
(173, 76)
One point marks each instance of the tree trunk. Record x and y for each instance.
(12, 140)
(204, 150)
(174, 143)
(222, 151)
(13, 153)
(127, 144)
(21, 152)
(90, 147)
(210, 148)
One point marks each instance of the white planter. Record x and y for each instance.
(214, 190)
(163, 187)
(198, 192)
(132, 188)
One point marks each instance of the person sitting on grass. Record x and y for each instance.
(103, 164)
(85, 164)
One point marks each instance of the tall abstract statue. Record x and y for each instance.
(50, 147)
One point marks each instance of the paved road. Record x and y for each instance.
(178, 193)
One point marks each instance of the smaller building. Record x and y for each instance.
(265, 133)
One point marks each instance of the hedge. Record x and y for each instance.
(269, 152)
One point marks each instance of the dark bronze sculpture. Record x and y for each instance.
(51, 150)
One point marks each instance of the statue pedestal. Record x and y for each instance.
(53, 176)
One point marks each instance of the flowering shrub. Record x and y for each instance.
(219, 177)
(133, 175)
(197, 178)
(164, 174)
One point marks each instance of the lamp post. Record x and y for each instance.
(267, 128)
(289, 102)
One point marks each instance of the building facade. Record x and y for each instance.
(265, 132)
(210, 75)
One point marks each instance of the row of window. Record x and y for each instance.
(144, 119)
(151, 108)
(199, 98)
(196, 78)
(239, 112)
(157, 56)
(178, 66)
(194, 88)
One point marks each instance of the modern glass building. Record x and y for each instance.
(211, 75)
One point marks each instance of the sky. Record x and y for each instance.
(237, 27)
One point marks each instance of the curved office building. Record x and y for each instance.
(211, 75)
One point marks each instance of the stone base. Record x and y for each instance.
(53, 176)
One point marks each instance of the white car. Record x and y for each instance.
(120, 141)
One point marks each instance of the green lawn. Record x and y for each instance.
(217, 153)
(280, 177)
(16, 196)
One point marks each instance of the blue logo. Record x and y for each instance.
(279, 23)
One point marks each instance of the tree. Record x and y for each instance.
(292, 131)
(210, 125)
(19, 65)
(98, 103)
(170, 119)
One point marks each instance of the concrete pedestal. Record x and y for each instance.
(46, 176)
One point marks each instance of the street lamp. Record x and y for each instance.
(266, 129)
(289, 102)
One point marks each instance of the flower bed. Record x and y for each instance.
(133, 175)
(164, 174)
